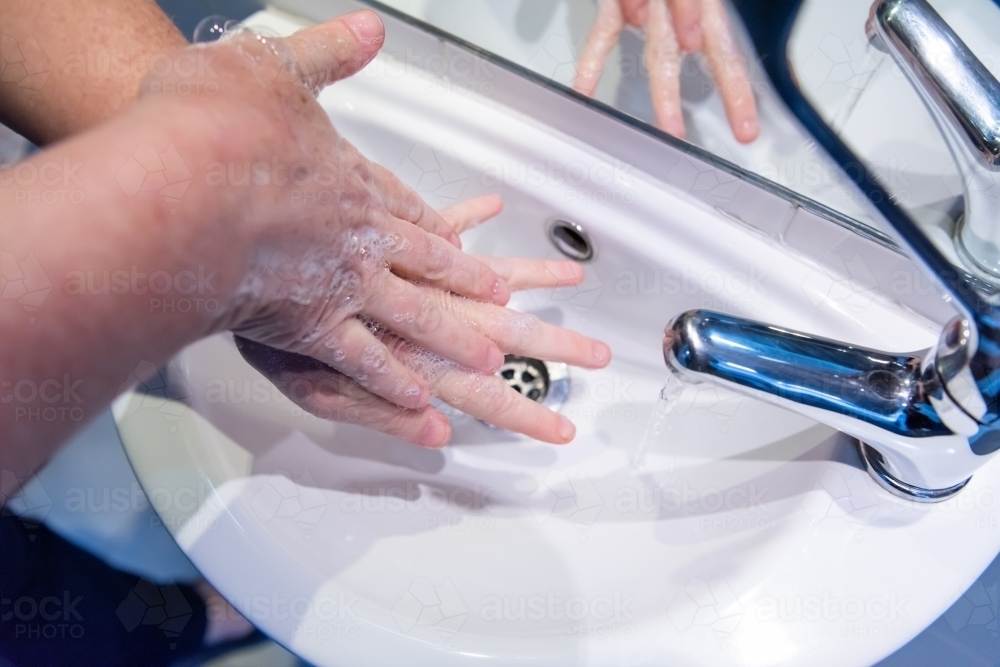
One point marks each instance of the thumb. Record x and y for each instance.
(337, 49)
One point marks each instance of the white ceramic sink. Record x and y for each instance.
(751, 536)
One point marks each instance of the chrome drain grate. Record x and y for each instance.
(528, 377)
(542, 381)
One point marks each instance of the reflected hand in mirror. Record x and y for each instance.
(331, 394)
(673, 28)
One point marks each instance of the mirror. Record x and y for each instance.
(888, 102)
(857, 89)
(550, 36)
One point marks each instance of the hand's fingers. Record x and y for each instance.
(405, 204)
(636, 12)
(337, 49)
(730, 72)
(493, 401)
(526, 335)
(427, 258)
(472, 212)
(527, 274)
(687, 24)
(663, 60)
(411, 313)
(488, 397)
(601, 41)
(352, 350)
(327, 394)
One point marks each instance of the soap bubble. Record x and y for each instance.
(211, 29)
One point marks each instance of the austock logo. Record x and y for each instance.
(24, 282)
(582, 298)
(25, 499)
(50, 617)
(437, 175)
(426, 605)
(977, 607)
(25, 64)
(162, 606)
(599, 616)
(710, 607)
(572, 497)
(150, 170)
(556, 59)
(842, 68)
(282, 498)
(159, 389)
(845, 283)
(705, 182)
(842, 493)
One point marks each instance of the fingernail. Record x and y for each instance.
(749, 130)
(455, 240)
(567, 430)
(602, 353)
(423, 398)
(366, 26)
(575, 272)
(436, 433)
(496, 359)
(501, 293)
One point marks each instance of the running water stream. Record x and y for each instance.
(669, 395)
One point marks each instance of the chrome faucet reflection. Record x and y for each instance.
(964, 99)
(928, 420)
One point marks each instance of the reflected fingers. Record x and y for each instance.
(687, 18)
(730, 72)
(600, 43)
(663, 60)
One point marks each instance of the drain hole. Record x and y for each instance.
(570, 239)
(528, 377)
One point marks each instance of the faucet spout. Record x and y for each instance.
(915, 435)
(927, 420)
(964, 99)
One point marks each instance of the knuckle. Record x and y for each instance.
(399, 422)
(505, 402)
(429, 318)
(438, 259)
(410, 204)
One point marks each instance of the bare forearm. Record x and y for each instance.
(103, 273)
(68, 66)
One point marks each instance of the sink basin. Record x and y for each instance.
(747, 535)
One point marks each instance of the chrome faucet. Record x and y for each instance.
(964, 99)
(925, 421)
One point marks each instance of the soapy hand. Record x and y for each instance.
(326, 393)
(342, 276)
(672, 28)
